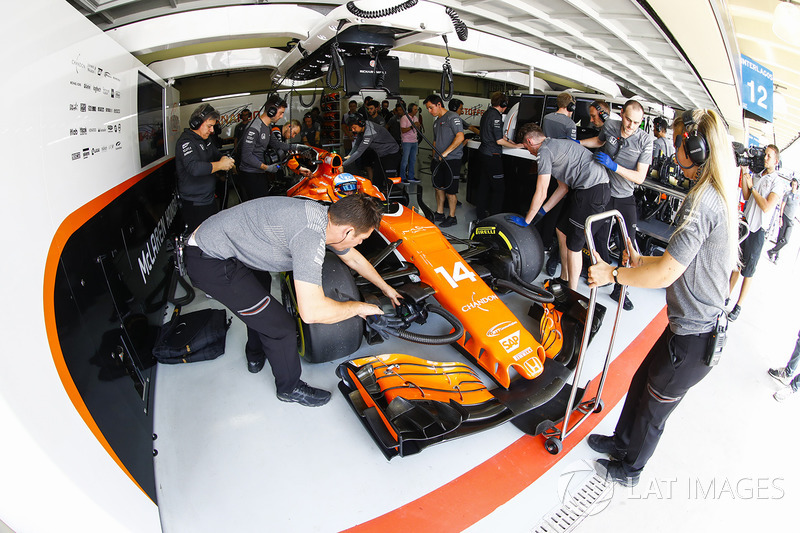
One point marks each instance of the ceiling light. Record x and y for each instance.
(786, 21)
(210, 98)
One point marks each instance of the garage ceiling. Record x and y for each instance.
(654, 49)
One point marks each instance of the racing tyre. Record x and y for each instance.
(523, 244)
(319, 343)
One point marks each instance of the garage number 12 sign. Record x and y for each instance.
(757, 85)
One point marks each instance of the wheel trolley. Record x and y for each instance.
(553, 434)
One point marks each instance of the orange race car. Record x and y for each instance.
(408, 403)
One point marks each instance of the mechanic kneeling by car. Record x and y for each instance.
(278, 234)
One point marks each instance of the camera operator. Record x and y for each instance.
(694, 270)
(788, 209)
(762, 193)
(258, 138)
(196, 161)
(627, 152)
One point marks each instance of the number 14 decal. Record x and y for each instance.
(460, 273)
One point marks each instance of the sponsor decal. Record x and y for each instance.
(156, 240)
(83, 131)
(86, 153)
(76, 155)
(485, 231)
(87, 86)
(101, 109)
(73, 107)
(523, 353)
(83, 108)
(477, 304)
(511, 342)
(92, 108)
(78, 63)
(495, 330)
(118, 145)
(95, 150)
(73, 131)
(91, 69)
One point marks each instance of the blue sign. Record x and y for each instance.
(752, 140)
(757, 85)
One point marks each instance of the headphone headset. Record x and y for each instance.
(600, 111)
(454, 104)
(359, 120)
(197, 120)
(571, 106)
(660, 124)
(503, 101)
(695, 146)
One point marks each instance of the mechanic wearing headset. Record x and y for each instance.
(371, 136)
(196, 161)
(559, 124)
(627, 152)
(577, 173)
(284, 234)
(599, 112)
(661, 146)
(252, 169)
(762, 194)
(448, 140)
(694, 269)
(491, 188)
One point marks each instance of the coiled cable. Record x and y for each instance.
(378, 13)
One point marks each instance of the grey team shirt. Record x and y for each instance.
(274, 234)
(764, 184)
(696, 298)
(571, 163)
(627, 152)
(445, 129)
(559, 126)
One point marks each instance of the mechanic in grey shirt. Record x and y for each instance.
(277, 234)
(448, 143)
(370, 136)
(559, 123)
(694, 271)
(627, 152)
(662, 147)
(579, 174)
(252, 168)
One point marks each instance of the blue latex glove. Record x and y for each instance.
(605, 160)
(518, 220)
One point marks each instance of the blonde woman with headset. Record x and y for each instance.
(694, 270)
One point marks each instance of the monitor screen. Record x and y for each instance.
(361, 72)
(150, 114)
(530, 109)
(550, 105)
(581, 114)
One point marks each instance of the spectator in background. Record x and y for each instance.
(315, 115)
(788, 210)
(238, 132)
(373, 113)
(375, 140)
(352, 110)
(393, 124)
(409, 144)
(385, 112)
(762, 194)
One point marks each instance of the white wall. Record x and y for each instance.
(54, 474)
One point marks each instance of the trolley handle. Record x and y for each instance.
(591, 219)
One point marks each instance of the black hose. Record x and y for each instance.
(527, 290)
(433, 339)
(378, 13)
(335, 68)
(461, 29)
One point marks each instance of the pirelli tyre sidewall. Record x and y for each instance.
(524, 244)
(319, 343)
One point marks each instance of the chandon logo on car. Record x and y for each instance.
(495, 330)
(476, 304)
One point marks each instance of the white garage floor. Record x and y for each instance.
(231, 457)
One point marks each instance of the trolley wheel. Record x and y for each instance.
(553, 445)
(599, 407)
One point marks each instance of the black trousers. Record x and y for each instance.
(673, 366)
(254, 184)
(194, 214)
(627, 208)
(271, 331)
(491, 187)
(783, 234)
